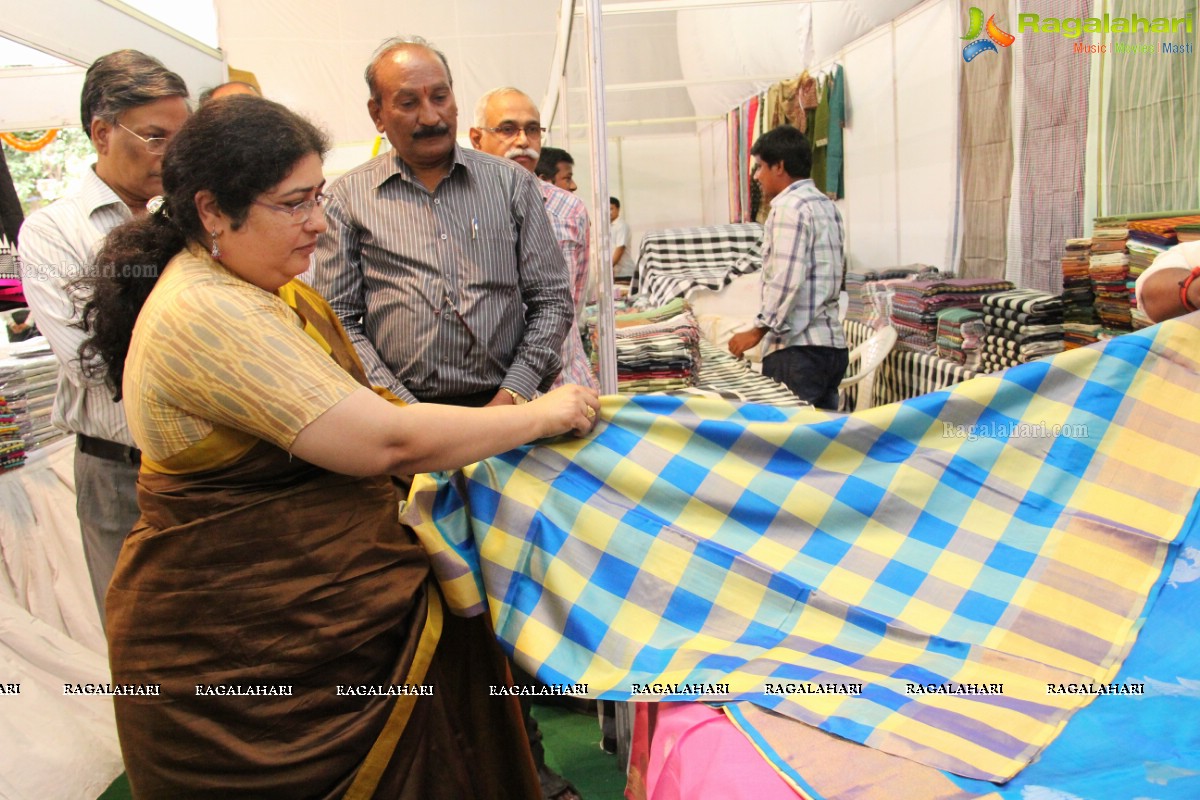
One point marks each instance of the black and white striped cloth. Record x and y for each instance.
(905, 374)
(725, 376)
(673, 262)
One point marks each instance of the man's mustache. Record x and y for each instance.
(431, 131)
(528, 152)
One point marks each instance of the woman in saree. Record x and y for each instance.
(269, 589)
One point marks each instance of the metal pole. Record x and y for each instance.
(601, 241)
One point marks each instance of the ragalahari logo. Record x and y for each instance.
(995, 36)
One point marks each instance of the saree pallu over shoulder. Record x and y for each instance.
(270, 576)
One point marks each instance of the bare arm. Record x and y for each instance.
(365, 435)
(1159, 294)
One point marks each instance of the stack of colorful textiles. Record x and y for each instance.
(673, 262)
(950, 333)
(1161, 231)
(1109, 269)
(1081, 334)
(915, 305)
(1022, 325)
(658, 350)
(858, 305)
(1188, 232)
(1078, 299)
(28, 380)
(12, 446)
(11, 294)
(1141, 256)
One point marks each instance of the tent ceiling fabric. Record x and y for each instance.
(781, 40)
(310, 55)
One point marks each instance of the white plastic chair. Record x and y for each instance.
(868, 355)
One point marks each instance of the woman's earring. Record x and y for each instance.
(216, 250)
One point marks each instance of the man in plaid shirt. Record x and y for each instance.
(803, 266)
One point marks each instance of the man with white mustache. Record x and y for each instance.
(508, 125)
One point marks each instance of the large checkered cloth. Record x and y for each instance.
(695, 541)
(673, 262)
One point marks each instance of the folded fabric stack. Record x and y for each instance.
(11, 295)
(915, 306)
(1078, 298)
(950, 339)
(1108, 268)
(1188, 232)
(1022, 325)
(1141, 256)
(12, 446)
(1081, 334)
(1162, 231)
(28, 380)
(858, 306)
(658, 350)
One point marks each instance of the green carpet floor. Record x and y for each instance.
(572, 749)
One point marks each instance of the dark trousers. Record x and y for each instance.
(811, 372)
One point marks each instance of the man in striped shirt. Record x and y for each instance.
(803, 267)
(508, 125)
(440, 262)
(132, 106)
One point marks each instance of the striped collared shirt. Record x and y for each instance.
(58, 245)
(569, 219)
(449, 292)
(803, 266)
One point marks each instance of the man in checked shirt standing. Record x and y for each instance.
(439, 261)
(803, 267)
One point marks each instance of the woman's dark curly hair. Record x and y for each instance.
(237, 147)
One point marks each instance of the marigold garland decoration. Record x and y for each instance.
(29, 145)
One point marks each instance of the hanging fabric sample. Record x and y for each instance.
(1152, 151)
(1053, 130)
(835, 184)
(985, 144)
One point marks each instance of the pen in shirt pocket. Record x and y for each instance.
(474, 227)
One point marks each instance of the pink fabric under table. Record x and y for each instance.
(695, 752)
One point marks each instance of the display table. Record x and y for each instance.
(55, 745)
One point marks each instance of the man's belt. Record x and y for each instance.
(109, 451)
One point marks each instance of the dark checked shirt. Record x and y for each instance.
(449, 292)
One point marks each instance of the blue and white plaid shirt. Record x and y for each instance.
(803, 265)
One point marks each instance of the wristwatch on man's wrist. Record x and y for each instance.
(517, 399)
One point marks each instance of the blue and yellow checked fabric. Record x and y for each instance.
(1009, 531)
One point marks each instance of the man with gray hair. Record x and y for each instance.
(508, 125)
(440, 261)
(131, 107)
